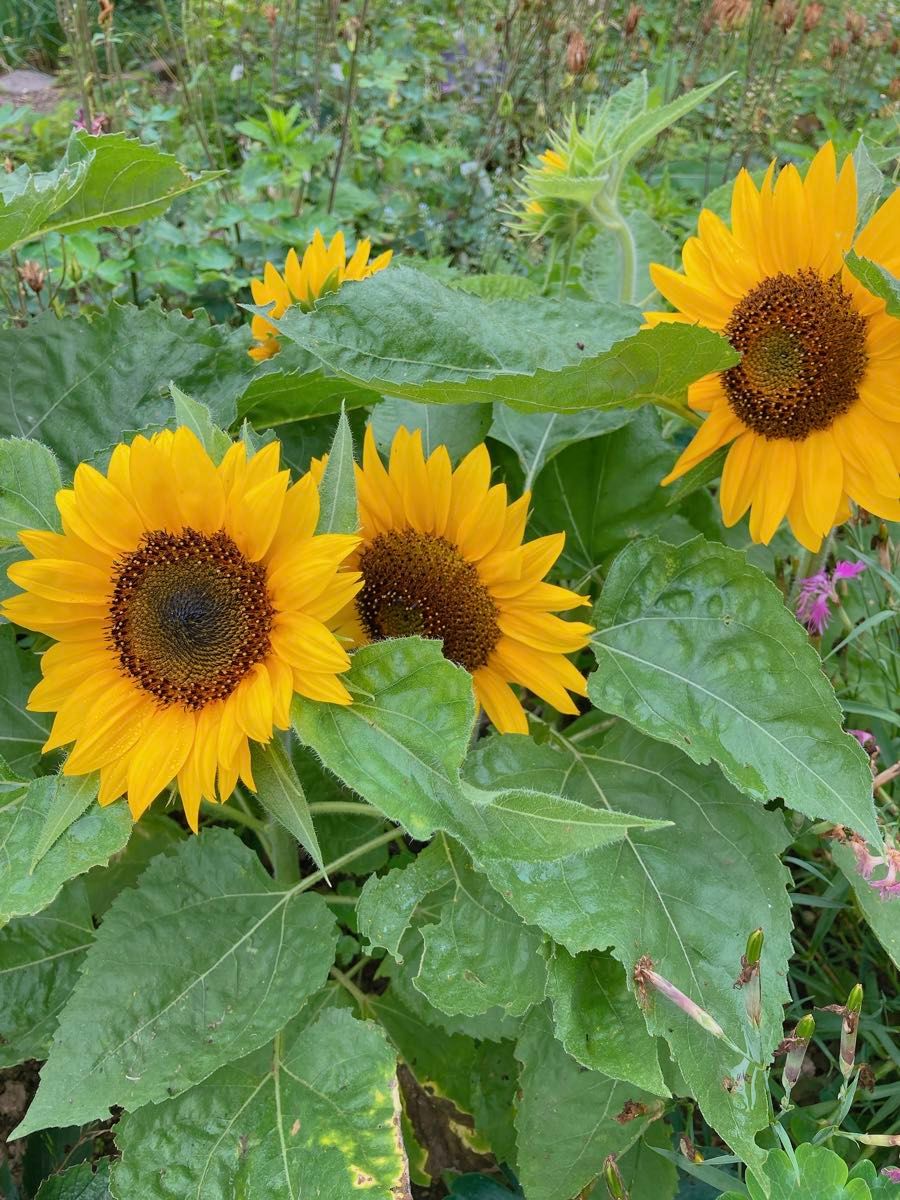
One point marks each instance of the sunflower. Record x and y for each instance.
(323, 269)
(811, 412)
(188, 603)
(442, 556)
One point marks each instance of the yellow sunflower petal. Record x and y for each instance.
(499, 701)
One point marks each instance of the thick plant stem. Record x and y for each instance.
(344, 806)
(283, 851)
(628, 260)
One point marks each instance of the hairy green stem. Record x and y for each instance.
(344, 806)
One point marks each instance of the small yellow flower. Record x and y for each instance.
(812, 411)
(323, 269)
(443, 556)
(188, 603)
(553, 161)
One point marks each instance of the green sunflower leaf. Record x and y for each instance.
(401, 745)
(40, 957)
(79, 1183)
(199, 964)
(459, 427)
(566, 1116)
(686, 896)
(197, 417)
(79, 384)
(604, 491)
(281, 793)
(22, 733)
(537, 438)
(64, 798)
(879, 281)
(695, 646)
(597, 1020)
(402, 741)
(338, 512)
(476, 954)
(90, 840)
(29, 481)
(316, 1113)
(106, 180)
(406, 334)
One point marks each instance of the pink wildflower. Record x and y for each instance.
(892, 1173)
(817, 594)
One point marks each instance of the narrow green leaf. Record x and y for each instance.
(637, 133)
(63, 798)
(879, 281)
(316, 1113)
(408, 335)
(40, 958)
(280, 792)
(597, 1020)
(199, 964)
(88, 841)
(537, 826)
(197, 417)
(566, 1116)
(696, 647)
(701, 887)
(29, 481)
(337, 492)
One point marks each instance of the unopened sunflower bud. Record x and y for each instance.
(797, 1046)
(576, 52)
(33, 275)
(645, 976)
(849, 1030)
(812, 15)
(612, 1177)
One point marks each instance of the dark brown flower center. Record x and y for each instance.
(189, 616)
(804, 354)
(418, 583)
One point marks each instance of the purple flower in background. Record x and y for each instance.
(100, 123)
(892, 1173)
(817, 594)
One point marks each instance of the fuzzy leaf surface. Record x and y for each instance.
(315, 1114)
(281, 793)
(78, 384)
(405, 334)
(29, 481)
(566, 1116)
(201, 963)
(682, 895)
(337, 492)
(78, 1183)
(695, 646)
(40, 957)
(87, 842)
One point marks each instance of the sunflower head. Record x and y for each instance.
(812, 411)
(443, 556)
(322, 269)
(187, 601)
